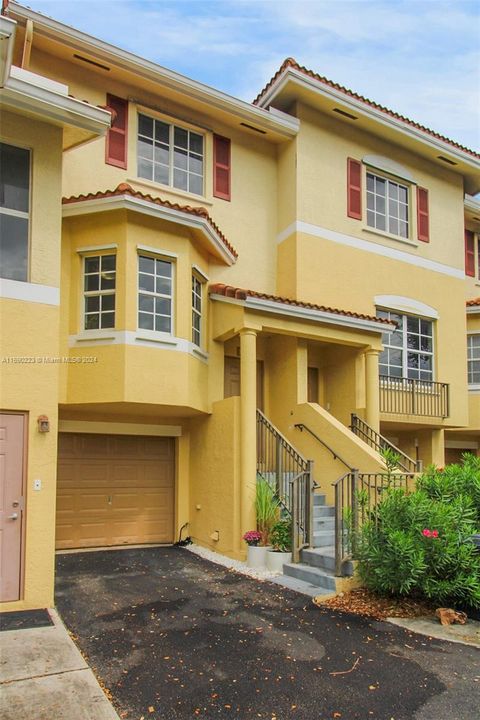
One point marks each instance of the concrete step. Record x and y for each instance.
(300, 586)
(324, 558)
(323, 511)
(322, 538)
(315, 576)
(324, 523)
(319, 499)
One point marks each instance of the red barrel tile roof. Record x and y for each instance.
(243, 294)
(126, 189)
(291, 62)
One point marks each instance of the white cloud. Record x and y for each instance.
(419, 57)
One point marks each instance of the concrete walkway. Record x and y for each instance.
(43, 676)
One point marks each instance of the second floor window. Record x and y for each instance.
(472, 254)
(473, 359)
(99, 291)
(196, 311)
(387, 205)
(170, 155)
(14, 211)
(408, 351)
(155, 294)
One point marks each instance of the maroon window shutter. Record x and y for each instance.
(354, 189)
(422, 215)
(469, 254)
(221, 168)
(116, 144)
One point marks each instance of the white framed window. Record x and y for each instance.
(407, 351)
(14, 212)
(170, 154)
(155, 294)
(473, 359)
(387, 205)
(99, 282)
(197, 301)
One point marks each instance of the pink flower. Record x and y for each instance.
(426, 532)
(435, 533)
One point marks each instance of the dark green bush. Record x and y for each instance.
(420, 543)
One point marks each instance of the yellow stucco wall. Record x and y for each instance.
(29, 331)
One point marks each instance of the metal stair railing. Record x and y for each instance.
(291, 476)
(378, 442)
(356, 495)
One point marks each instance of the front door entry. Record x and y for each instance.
(11, 504)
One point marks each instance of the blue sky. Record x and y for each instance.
(418, 57)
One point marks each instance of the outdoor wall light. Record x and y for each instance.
(43, 424)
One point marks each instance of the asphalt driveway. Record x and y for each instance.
(173, 636)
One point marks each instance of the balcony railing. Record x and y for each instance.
(406, 396)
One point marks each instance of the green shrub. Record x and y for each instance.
(420, 543)
(281, 536)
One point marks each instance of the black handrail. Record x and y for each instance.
(378, 442)
(336, 456)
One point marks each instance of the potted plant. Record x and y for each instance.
(281, 550)
(256, 556)
(267, 508)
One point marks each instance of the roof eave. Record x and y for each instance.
(310, 314)
(358, 106)
(127, 202)
(286, 126)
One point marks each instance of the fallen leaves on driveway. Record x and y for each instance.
(364, 602)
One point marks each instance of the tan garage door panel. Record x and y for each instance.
(114, 490)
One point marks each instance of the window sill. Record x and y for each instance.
(150, 185)
(87, 335)
(390, 236)
(474, 388)
(156, 337)
(199, 353)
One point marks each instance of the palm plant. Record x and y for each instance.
(267, 508)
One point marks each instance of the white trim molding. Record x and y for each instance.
(405, 305)
(147, 207)
(359, 107)
(118, 428)
(96, 248)
(29, 292)
(473, 309)
(142, 338)
(298, 226)
(304, 313)
(378, 162)
(283, 125)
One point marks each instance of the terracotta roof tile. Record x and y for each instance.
(473, 303)
(243, 294)
(126, 189)
(291, 62)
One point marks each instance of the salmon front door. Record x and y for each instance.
(11, 504)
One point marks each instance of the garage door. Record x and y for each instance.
(114, 490)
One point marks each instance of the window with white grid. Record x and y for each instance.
(170, 155)
(387, 205)
(99, 291)
(196, 311)
(473, 359)
(155, 294)
(408, 350)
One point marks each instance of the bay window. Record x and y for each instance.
(99, 291)
(155, 294)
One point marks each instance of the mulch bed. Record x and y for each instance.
(364, 602)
